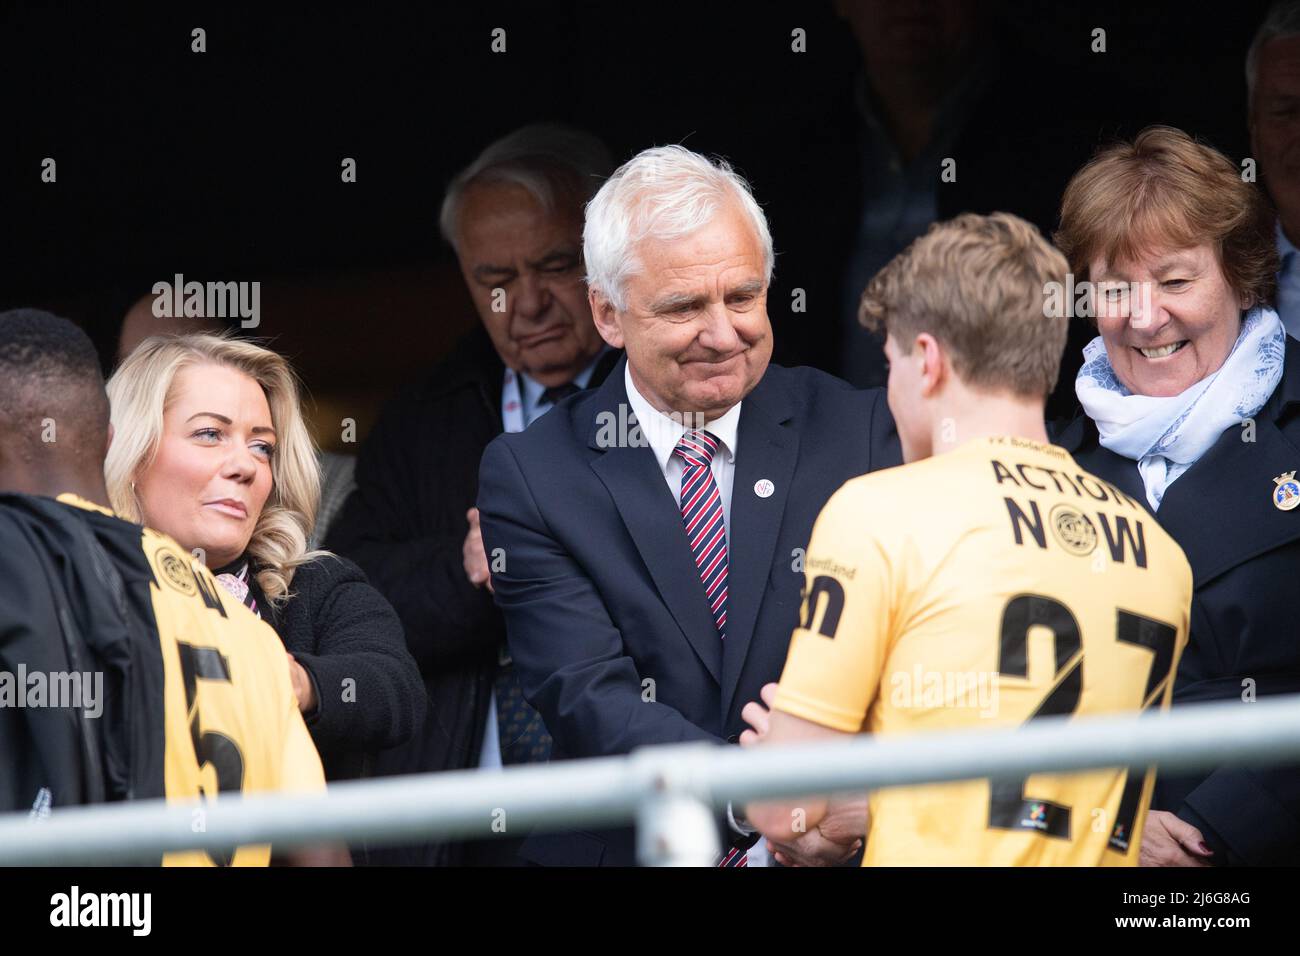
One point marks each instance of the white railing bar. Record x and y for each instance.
(616, 790)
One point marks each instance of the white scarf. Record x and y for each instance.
(1166, 436)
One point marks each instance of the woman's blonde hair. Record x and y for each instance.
(141, 390)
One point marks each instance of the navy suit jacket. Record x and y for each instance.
(1245, 623)
(605, 614)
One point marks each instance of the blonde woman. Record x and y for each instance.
(210, 447)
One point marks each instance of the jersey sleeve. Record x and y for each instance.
(301, 770)
(837, 652)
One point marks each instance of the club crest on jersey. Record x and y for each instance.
(1073, 530)
(175, 570)
(1286, 493)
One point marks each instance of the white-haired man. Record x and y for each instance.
(1273, 78)
(652, 530)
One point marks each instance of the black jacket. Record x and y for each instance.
(347, 637)
(1245, 558)
(74, 597)
(417, 475)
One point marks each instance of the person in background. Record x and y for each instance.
(337, 482)
(1188, 399)
(919, 133)
(514, 219)
(210, 447)
(141, 323)
(1273, 79)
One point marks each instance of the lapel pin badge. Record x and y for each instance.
(764, 488)
(1287, 493)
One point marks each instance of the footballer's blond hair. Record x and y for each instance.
(978, 285)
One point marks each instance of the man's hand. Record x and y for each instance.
(1169, 841)
(303, 689)
(839, 824)
(335, 854)
(833, 841)
(758, 716)
(475, 557)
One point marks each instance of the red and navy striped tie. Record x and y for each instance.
(702, 517)
(706, 529)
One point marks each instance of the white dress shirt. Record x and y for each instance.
(662, 433)
(1288, 284)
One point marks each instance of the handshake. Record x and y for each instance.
(820, 831)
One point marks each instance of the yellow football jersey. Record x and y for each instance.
(980, 589)
(231, 720)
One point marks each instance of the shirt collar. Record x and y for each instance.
(530, 394)
(663, 432)
(531, 391)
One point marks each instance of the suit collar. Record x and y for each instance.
(1287, 394)
(627, 467)
(664, 432)
(769, 449)
(531, 391)
(771, 396)
(474, 363)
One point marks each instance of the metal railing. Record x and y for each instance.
(670, 792)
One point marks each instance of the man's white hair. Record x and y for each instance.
(662, 193)
(552, 162)
(1282, 21)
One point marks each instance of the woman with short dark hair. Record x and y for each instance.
(1189, 399)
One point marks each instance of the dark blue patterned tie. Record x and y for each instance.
(520, 729)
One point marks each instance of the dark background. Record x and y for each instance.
(226, 164)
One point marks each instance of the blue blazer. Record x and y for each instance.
(1245, 623)
(605, 614)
